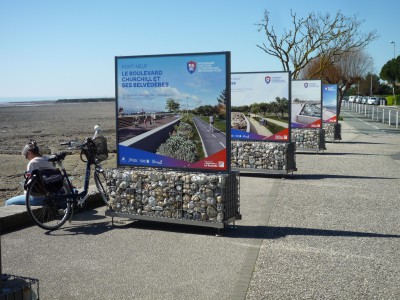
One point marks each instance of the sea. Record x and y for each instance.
(37, 101)
(26, 101)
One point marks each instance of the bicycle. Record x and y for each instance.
(50, 196)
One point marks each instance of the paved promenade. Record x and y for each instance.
(331, 231)
(334, 230)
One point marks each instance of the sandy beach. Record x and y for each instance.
(50, 123)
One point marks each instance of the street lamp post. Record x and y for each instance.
(394, 48)
(394, 57)
(370, 90)
(358, 84)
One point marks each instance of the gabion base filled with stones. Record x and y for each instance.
(259, 155)
(171, 194)
(329, 131)
(306, 138)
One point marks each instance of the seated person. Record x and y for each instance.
(36, 161)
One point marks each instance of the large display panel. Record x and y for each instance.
(260, 106)
(329, 103)
(173, 111)
(306, 110)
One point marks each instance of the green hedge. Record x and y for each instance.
(390, 100)
(196, 137)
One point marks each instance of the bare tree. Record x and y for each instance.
(351, 69)
(317, 36)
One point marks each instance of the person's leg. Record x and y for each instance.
(20, 200)
(36, 201)
(17, 200)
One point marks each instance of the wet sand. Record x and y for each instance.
(49, 124)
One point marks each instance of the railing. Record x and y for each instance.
(385, 114)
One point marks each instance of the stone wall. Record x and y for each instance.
(306, 138)
(329, 131)
(171, 194)
(259, 155)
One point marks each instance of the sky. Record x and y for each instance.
(67, 49)
(249, 88)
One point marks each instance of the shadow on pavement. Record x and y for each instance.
(334, 176)
(171, 227)
(120, 223)
(267, 232)
(263, 175)
(346, 154)
(362, 143)
(231, 231)
(86, 229)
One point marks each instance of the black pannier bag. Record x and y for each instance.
(51, 179)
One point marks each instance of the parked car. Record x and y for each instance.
(364, 100)
(358, 99)
(372, 101)
(352, 99)
(382, 101)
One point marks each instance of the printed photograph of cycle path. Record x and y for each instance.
(132, 126)
(186, 137)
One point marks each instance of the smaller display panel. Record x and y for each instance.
(329, 101)
(306, 110)
(260, 106)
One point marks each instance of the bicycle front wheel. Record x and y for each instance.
(100, 178)
(50, 211)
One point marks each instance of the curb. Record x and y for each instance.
(15, 217)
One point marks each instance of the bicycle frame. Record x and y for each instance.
(73, 197)
(80, 197)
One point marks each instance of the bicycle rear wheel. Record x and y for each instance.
(100, 179)
(51, 211)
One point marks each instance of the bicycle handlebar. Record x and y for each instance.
(73, 144)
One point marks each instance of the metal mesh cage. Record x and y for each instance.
(19, 287)
(202, 199)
